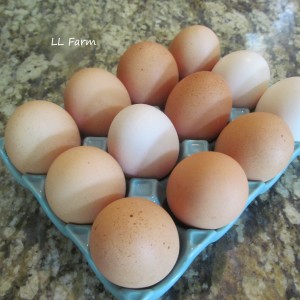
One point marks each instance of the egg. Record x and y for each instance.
(261, 142)
(283, 99)
(207, 190)
(144, 141)
(36, 133)
(247, 74)
(134, 242)
(149, 72)
(199, 106)
(93, 97)
(81, 182)
(195, 48)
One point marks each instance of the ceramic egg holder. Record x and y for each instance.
(192, 241)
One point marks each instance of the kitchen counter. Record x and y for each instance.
(258, 258)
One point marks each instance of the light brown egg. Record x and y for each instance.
(195, 48)
(207, 190)
(36, 133)
(134, 242)
(261, 142)
(149, 72)
(144, 141)
(93, 96)
(199, 106)
(283, 100)
(247, 74)
(81, 182)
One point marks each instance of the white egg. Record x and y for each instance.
(247, 74)
(283, 99)
(144, 141)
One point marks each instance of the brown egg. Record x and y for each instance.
(81, 182)
(195, 48)
(134, 242)
(149, 72)
(261, 142)
(207, 190)
(93, 97)
(36, 133)
(199, 106)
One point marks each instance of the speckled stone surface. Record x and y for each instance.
(258, 259)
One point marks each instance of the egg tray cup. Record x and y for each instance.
(192, 241)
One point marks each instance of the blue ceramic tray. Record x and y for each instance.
(192, 241)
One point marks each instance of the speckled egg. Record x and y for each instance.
(261, 142)
(195, 48)
(207, 190)
(199, 106)
(149, 72)
(134, 242)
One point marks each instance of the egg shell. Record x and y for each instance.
(149, 72)
(144, 141)
(195, 48)
(261, 142)
(199, 106)
(207, 190)
(93, 96)
(36, 133)
(247, 74)
(81, 182)
(134, 242)
(283, 99)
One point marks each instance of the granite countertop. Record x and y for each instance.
(258, 258)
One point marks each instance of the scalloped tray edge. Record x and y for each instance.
(193, 241)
